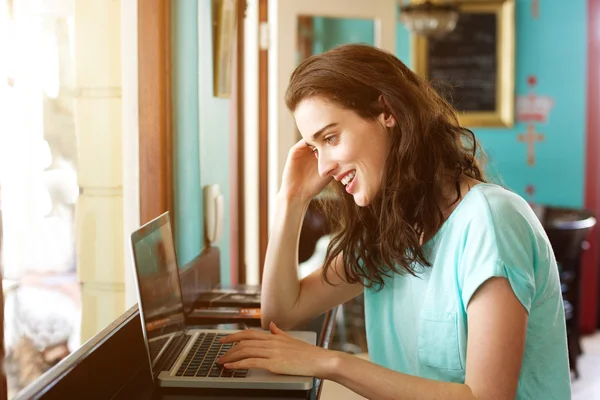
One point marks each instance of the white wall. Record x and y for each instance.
(251, 222)
(130, 123)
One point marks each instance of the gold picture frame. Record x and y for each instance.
(224, 23)
(503, 114)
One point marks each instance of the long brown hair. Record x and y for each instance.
(429, 151)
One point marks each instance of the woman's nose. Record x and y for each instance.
(326, 166)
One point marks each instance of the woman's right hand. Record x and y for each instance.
(301, 180)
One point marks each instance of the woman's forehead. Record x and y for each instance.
(315, 113)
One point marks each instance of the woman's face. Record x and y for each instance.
(349, 148)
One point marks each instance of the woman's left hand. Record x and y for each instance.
(276, 352)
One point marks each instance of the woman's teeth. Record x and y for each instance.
(348, 178)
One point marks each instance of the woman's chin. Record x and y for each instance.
(360, 200)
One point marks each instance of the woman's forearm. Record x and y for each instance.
(378, 383)
(281, 285)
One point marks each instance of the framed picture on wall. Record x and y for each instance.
(473, 66)
(224, 17)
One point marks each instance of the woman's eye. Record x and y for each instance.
(331, 139)
(315, 152)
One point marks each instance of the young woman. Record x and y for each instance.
(461, 288)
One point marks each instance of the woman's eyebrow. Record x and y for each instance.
(318, 133)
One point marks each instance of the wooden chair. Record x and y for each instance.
(568, 230)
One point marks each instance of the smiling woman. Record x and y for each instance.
(454, 270)
(423, 146)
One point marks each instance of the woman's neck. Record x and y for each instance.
(450, 202)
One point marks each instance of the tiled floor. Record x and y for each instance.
(587, 387)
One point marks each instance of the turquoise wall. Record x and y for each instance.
(556, 56)
(331, 32)
(186, 182)
(214, 117)
(201, 130)
(551, 47)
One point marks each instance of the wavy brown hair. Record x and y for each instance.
(429, 152)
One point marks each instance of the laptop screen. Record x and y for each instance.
(159, 290)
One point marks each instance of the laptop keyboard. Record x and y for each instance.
(156, 346)
(200, 361)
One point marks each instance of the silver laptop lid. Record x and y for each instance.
(159, 290)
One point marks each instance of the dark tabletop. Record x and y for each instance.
(114, 365)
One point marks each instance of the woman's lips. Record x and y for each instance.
(350, 186)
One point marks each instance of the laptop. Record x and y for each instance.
(180, 355)
(234, 296)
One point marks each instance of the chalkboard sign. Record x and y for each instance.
(473, 66)
(463, 64)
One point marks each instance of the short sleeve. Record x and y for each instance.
(501, 243)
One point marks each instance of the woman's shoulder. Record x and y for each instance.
(490, 207)
(498, 195)
(499, 202)
(507, 216)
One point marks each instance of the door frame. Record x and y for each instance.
(590, 280)
(147, 120)
(155, 109)
(280, 131)
(237, 182)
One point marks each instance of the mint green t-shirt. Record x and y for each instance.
(418, 325)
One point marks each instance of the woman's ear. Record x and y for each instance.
(386, 117)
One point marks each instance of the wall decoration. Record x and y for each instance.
(535, 9)
(531, 107)
(530, 193)
(224, 24)
(531, 137)
(473, 66)
(538, 209)
(530, 190)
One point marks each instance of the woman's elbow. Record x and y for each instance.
(266, 319)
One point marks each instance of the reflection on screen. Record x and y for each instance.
(162, 307)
